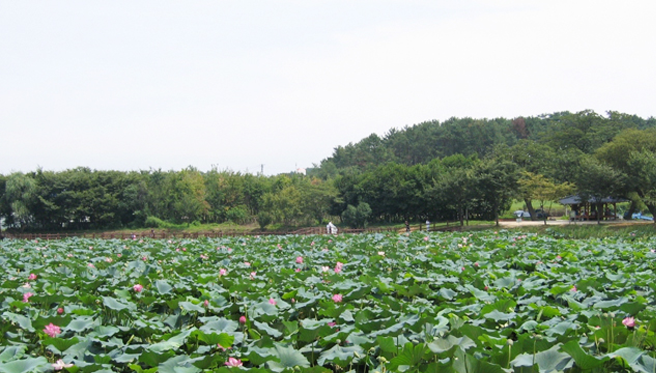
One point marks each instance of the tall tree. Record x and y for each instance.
(597, 181)
(20, 194)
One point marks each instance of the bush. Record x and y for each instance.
(263, 219)
(357, 217)
(237, 215)
(155, 222)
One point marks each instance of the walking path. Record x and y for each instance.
(526, 223)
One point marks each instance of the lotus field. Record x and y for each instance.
(439, 302)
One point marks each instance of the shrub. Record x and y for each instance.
(263, 219)
(357, 217)
(237, 215)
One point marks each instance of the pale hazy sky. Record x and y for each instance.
(132, 85)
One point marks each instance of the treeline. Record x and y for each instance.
(421, 143)
(458, 169)
(87, 199)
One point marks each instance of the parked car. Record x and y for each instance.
(521, 214)
(637, 216)
(541, 214)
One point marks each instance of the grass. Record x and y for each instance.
(628, 230)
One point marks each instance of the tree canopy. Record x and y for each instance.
(453, 170)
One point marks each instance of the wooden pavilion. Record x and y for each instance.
(589, 209)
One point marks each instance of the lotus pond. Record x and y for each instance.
(444, 302)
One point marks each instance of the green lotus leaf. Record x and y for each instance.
(179, 364)
(190, 307)
(219, 325)
(561, 328)
(548, 361)
(629, 354)
(163, 287)
(582, 359)
(500, 316)
(213, 339)
(264, 327)
(172, 343)
(29, 364)
(118, 305)
(22, 321)
(81, 324)
(60, 345)
(288, 358)
(610, 304)
(11, 353)
(126, 358)
(340, 355)
(153, 359)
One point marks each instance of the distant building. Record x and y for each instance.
(300, 171)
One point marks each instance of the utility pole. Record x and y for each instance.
(262, 169)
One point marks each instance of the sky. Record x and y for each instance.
(277, 85)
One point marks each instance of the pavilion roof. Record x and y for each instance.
(576, 199)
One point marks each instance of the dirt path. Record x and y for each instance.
(526, 223)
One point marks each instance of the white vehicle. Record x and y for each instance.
(522, 214)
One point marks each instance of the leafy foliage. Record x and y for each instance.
(411, 302)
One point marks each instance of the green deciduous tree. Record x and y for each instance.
(20, 194)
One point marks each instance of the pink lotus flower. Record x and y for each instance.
(222, 272)
(26, 297)
(206, 303)
(60, 310)
(253, 274)
(232, 362)
(463, 268)
(145, 258)
(90, 265)
(573, 289)
(108, 260)
(59, 365)
(629, 322)
(242, 320)
(476, 264)
(338, 267)
(325, 269)
(332, 324)
(52, 330)
(27, 285)
(247, 264)
(31, 277)
(425, 238)
(272, 301)
(337, 298)
(299, 259)
(119, 255)
(137, 288)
